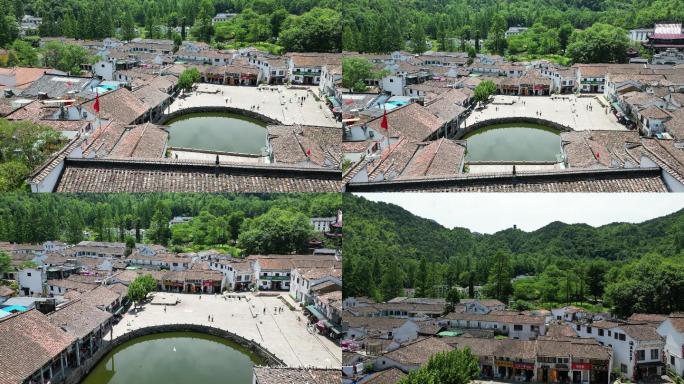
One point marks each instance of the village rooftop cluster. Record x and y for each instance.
(383, 342)
(72, 301)
(621, 124)
(112, 118)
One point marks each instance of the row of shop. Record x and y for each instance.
(593, 372)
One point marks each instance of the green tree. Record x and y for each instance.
(130, 245)
(204, 29)
(355, 71)
(127, 27)
(65, 57)
(418, 39)
(140, 287)
(459, 366)
(5, 263)
(392, 281)
(278, 231)
(499, 285)
(600, 43)
(496, 39)
(318, 30)
(159, 226)
(484, 90)
(189, 77)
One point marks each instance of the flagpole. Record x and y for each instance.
(388, 131)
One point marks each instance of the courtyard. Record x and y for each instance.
(283, 333)
(276, 102)
(579, 113)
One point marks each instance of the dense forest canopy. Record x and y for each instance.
(559, 263)
(241, 224)
(387, 25)
(291, 24)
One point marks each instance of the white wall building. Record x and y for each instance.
(31, 281)
(672, 329)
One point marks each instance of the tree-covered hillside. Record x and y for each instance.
(387, 25)
(241, 224)
(394, 249)
(294, 25)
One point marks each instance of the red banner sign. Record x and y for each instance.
(581, 366)
(523, 365)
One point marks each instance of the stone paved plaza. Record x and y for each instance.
(567, 110)
(281, 334)
(276, 102)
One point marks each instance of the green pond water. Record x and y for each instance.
(197, 358)
(222, 132)
(514, 142)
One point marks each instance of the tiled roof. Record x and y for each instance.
(439, 158)
(40, 173)
(38, 340)
(290, 144)
(150, 96)
(146, 141)
(100, 297)
(268, 375)
(666, 155)
(604, 180)
(388, 376)
(418, 352)
(584, 348)
(413, 121)
(508, 317)
(78, 318)
(676, 124)
(647, 317)
(167, 175)
(121, 105)
(677, 321)
(641, 332)
(598, 149)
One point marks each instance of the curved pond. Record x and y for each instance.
(217, 131)
(175, 357)
(514, 142)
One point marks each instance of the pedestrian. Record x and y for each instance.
(264, 310)
(208, 318)
(165, 309)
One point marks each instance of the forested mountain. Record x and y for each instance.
(386, 25)
(291, 24)
(254, 223)
(395, 249)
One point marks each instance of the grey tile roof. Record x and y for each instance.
(268, 375)
(166, 175)
(38, 340)
(599, 180)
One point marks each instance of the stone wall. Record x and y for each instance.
(78, 374)
(163, 119)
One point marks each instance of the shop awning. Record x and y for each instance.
(334, 102)
(315, 312)
(618, 108)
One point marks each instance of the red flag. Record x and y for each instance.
(384, 124)
(308, 152)
(96, 106)
(598, 155)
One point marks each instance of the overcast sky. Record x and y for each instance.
(492, 212)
